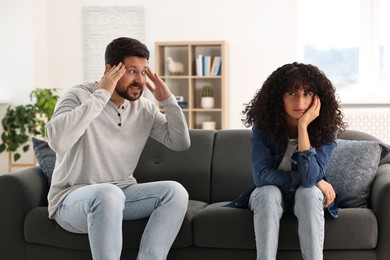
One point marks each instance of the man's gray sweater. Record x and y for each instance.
(97, 142)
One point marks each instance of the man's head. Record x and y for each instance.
(134, 55)
(124, 47)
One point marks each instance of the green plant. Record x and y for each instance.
(23, 121)
(45, 101)
(207, 91)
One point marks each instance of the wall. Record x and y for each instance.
(259, 34)
(43, 47)
(16, 57)
(16, 50)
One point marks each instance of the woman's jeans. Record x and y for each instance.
(268, 206)
(99, 210)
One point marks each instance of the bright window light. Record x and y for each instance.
(347, 40)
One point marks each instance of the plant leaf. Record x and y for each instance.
(2, 148)
(26, 147)
(16, 156)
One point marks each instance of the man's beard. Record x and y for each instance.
(125, 94)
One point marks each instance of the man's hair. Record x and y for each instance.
(124, 47)
(266, 109)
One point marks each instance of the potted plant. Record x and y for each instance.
(23, 121)
(207, 100)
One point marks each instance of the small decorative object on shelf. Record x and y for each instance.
(179, 98)
(207, 100)
(175, 68)
(209, 125)
(181, 102)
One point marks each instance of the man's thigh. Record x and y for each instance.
(143, 198)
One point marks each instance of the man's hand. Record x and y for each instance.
(160, 90)
(328, 192)
(110, 78)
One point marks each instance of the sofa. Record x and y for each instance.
(215, 170)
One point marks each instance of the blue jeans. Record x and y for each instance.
(268, 206)
(99, 210)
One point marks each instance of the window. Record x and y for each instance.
(347, 40)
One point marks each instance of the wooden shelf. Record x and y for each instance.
(189, 85)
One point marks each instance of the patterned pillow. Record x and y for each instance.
(352, 169)
(46, 157)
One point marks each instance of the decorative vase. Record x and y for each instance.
(207, 102)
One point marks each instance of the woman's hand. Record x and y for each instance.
(328, 192)
(312, 113)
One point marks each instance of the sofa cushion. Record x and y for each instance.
(217, 226)
(352, 169)
(39, 229)
(46, 157)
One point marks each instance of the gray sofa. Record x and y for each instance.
(215, 170)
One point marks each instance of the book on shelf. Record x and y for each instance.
(199, 65)
(216, 66)
(206, 65)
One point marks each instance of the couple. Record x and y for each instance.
(98, 131)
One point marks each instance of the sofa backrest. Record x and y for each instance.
(357, 135)
(231, 166)
(217, 166)
(192, 168)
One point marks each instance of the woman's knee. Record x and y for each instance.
(266, 196)
(308, 194)
(307, 197)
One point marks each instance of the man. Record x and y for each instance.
(98, 132)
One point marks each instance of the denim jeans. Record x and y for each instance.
(268, 206)
(99, 210)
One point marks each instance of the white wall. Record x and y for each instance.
(260, 34)
(16, 57)
(16, 50)
(41, 41)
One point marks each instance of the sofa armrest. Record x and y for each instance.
(380, 201)
(19, 192)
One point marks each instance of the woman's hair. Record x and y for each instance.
(266, 109)
(124, 47)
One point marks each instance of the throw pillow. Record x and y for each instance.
(46, 157)
(352, 169)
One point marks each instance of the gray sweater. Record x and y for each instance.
(96, 142)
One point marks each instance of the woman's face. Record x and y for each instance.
(296, 103)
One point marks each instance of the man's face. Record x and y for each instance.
(131, 85)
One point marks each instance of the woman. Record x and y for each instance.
(295, 118)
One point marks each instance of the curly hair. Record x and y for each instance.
(124, 47)
(266, 109)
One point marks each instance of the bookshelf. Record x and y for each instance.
(176, 63)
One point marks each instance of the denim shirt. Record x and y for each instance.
(308, 167)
